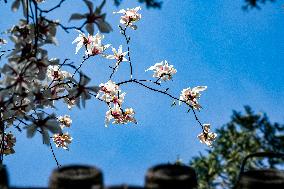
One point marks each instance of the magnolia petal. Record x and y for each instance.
(137, 8)
(90, 28)
(199, 88)
(122, 11)
(79, 46)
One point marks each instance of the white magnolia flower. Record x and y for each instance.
(109, 92)
(57, 89)
(109, 87)
(206, 136)
(62, 140)
(130, 16)
(96, 47)
(119, 116)
(118, 55)
(117, 99)
(65, 121)
(163, 70)
(190, 96)
(54, 73)
(71, 102)
(82, 39)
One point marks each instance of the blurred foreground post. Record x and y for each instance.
(261, 178)
(171, 176)
(3, 177)
(124, 187)
(76, 176)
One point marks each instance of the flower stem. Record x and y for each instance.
(54, 157)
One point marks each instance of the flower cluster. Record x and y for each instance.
(55, 74)
(57, 78)
(120, 116)
(118, 55)
(190, 96)
(65, 121)
(129, 17)
(31, 82)
(111, 94)
(93, 44)
(206, 136)
(62, 140)
(163, 70)
(70, 101)
(47, 31)
(9, 143)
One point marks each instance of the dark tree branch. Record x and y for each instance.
(2, 144)
(114, 69)
(27, 2)
(52, 9)
(84, 60)
(162, 92)
(66, 28)
(4, 51)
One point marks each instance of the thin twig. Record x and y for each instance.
(49, 10)
(86, 58)
(66, 28)
(32, 12)
(27, 2)
(6, 50)
(114, 69)
(127, 39)
(54, 157)
(196, 118)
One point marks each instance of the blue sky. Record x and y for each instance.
(238, 55)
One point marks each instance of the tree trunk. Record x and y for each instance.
(3, 177)
(2, 132)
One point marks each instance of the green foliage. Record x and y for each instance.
(245, 134)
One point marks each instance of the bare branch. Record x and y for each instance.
(53, 8)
